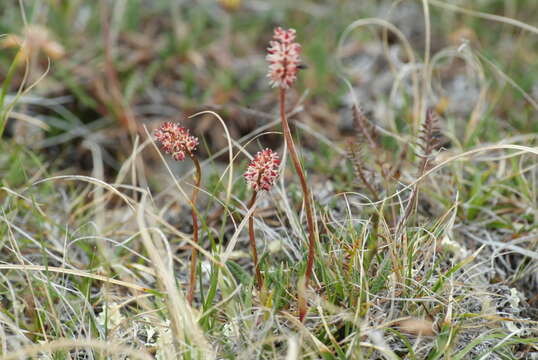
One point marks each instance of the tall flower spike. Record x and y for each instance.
(263, 170)
(284, 63)
(283, 57)
(176, 140)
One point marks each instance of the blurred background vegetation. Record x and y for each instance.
(113, 66)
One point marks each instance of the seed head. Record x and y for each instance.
(34, 39)
(263, 170)
(176, 140)
(283, 58)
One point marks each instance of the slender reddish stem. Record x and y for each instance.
(306, 194)
(259, 278)
(194, 253)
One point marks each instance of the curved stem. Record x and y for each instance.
(306, 193)
(259, 278)
(194, 253)
(10, 73)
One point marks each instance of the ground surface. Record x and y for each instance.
(428, 235)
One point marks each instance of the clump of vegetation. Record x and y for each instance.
(411, 233)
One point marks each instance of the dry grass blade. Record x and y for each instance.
(408, 52)
(112, 188)
(293, 349)
(417, 327)
(66, 344)
(492, 17)
(182, 318)
(230, 150)
(73, 272)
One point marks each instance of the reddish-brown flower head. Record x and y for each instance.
(176, 140)
(263, 170)
(283, 58)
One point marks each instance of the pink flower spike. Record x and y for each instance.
(284, 36)
(263, 170)
(283, 58)
(176, 140)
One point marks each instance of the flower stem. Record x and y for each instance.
(259, 278)
(306, 196)
(194, 253)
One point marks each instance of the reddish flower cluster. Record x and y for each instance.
(263, 170)
(176, 140)
(283, 58)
